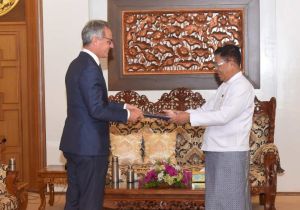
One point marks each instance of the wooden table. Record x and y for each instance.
(50, 175)
(127, 196)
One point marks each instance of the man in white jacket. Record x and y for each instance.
(228, 117)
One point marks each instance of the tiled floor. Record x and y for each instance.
(282, 202)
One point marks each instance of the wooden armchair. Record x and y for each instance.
(264, 161)
(13, 194)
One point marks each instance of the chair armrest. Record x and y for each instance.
(11, 182)
(21, 186)
(22, 195)
(265, 154)
(16, 188)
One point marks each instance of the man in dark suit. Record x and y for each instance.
(85, 138)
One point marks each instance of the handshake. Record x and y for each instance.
(179, 117)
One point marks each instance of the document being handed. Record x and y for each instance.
(158, 116)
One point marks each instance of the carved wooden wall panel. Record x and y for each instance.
(1, 110)
(11, 129)
(22, 88)
(162, 45)
(177, 41)
(10, 84)
(9, 67)
(11, 70)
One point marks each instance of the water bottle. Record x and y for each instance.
(130, 174)
(12, 164)
(115, 169)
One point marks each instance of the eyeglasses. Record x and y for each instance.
(219, 64)
(109, 40)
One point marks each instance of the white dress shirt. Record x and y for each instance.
(227, 115)
(92, 54)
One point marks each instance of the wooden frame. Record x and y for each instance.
(121, 79)
(36, 146)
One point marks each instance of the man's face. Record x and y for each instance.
(104, 44)
(222, 68)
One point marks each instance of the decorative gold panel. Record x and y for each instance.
(7, 5)
(177, 42)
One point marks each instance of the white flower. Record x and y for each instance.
(177, 167)
(160, 176)
(179, 176)
(169, 179)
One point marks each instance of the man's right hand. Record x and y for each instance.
(135, 114)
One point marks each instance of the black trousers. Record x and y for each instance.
(86, 181)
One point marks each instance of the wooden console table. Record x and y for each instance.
(50, 175)
(127, 196)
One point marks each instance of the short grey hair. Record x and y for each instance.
(91, 29)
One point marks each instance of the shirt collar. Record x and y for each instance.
(234, 77)
(92, 54)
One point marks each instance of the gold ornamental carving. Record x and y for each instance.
(178, 42)
(7, 5)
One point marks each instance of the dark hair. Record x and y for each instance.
(230, 52)
(91, 29)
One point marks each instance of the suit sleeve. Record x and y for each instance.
(93, 91)
(116, 105)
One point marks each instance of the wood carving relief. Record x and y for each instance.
(179, 99)
(156, 205)
(162, 45)
(177, 42)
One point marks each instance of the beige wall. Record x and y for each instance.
(288, 92)
(63, 21)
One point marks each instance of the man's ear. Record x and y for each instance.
(94, 40)
(233, 65)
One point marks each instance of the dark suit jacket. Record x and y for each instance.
(86, 130)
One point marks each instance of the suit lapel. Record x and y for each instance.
(104, 83)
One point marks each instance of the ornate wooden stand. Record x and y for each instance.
(50, 175)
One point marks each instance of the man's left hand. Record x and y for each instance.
(178, 117)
